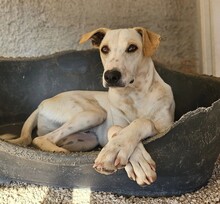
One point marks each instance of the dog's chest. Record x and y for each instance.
(131, 106)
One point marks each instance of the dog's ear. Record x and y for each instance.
(96, 36)
(150, 39)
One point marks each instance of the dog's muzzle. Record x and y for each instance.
(113, 78)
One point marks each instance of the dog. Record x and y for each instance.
(138, 105)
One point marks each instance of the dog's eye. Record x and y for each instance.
(105, 49)
(132, 48)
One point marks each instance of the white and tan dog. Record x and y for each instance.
(138, 104)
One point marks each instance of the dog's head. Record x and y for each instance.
(122, 51)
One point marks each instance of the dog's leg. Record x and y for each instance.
(113, 131)
(81, 122)
(141, 167)
(116, 153)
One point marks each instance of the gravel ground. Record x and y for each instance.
(21, 193)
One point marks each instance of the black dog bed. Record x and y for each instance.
(185, 156)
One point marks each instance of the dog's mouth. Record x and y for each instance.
(119, 85)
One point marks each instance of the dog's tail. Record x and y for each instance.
(25, 138)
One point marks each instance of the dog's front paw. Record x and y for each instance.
(141, 167)
(112, 157)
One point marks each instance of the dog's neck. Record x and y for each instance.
(145, 75)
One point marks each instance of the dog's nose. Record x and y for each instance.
(112, 77)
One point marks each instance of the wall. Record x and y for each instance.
(215, 4)
(33, 28)
(210, 32)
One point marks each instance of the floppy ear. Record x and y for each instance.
(150, 40)
(96, 36)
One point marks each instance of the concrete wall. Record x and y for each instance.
(33, 28)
